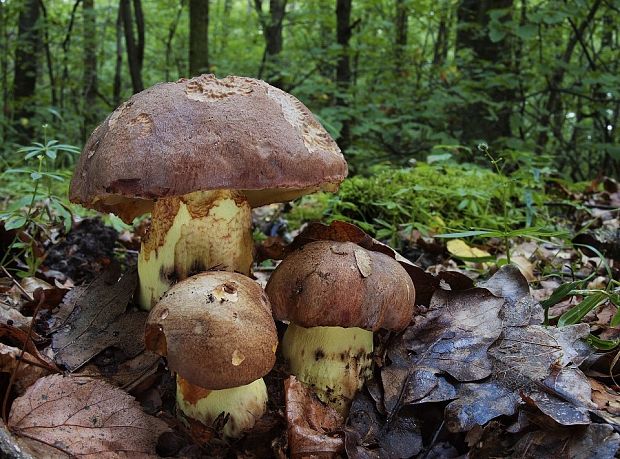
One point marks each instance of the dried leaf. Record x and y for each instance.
(98, 321)
(605, 398)
(456, 332)
(477, 404)
(368, 434)
(363, 261)
(85, 417)
(27, 374)
(460, 249)
(594, 441)
(311, 423)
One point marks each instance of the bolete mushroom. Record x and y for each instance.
(335, 295)
(198, 154)
(217, 332)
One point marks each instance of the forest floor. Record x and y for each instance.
(500, 360)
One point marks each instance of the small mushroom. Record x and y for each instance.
(335, 295)
(217, 332)
(199, 154)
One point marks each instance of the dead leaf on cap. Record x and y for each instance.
(311, 423)
(363, 261)
(98, 320)
(85, 418)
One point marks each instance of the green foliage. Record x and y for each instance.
(37, 211)
(439, 197)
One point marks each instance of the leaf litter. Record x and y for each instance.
(85, 417)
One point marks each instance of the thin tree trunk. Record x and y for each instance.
(401, 22)
(90, 66)
(134, 53)
(172, 30)
(440, 52)
(26, 57)
(4, 55)
(198, 37)
(476, 119)
(65, 53)
(554, 100)
(118, 68)
(48, 56)
(343, 68)
(272, 31)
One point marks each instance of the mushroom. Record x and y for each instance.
(335, 295)
(198, 154)
(218, 334)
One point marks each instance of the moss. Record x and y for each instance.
(436, 198)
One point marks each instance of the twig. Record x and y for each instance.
(5, 401)
(17, 284)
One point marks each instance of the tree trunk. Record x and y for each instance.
(25, 80)
(172, 30)
(90, 67)
(401, 22)
(4, 56)
(343, 68)
(48, 55)
(554, 101)
(478, 122)
(135, 52)
(198, 37)
(443, 32)
(272, 31)
(117, 85)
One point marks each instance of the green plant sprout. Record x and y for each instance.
(34, 215)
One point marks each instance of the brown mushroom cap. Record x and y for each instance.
(205, 134)
(216, 330)
(331, 284)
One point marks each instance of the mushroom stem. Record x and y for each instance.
(192, 233)
(335, 361)
(243, 405)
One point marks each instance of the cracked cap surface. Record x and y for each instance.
(205, 134)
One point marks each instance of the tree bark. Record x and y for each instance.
(135, 52)
(172, 30)
(401, 23)
(90, 67)
(4, 36)
(440, 52)
(272, 31)
(477, 120)
(343, 67)
(117, 85)
(198, 37)
(48, 55)
(26, 57)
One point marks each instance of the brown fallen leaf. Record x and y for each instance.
(311, 423)
(605, 398)
(29, 370)
(98, 320)
(85, 417)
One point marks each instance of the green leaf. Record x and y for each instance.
(527, 31)
(496, 34)
(602, 344)
(36, 175)
(14, 223)
(578, 312)
(468, 234)
(560, 293)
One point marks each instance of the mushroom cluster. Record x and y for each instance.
(199, 154)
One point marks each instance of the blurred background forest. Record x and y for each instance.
(392, 80)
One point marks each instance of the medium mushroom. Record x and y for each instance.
(335, 295)
(217, 333)
(198, 154)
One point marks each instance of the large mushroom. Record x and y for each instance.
(218, 334)
(335, 295)
(198, 154)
